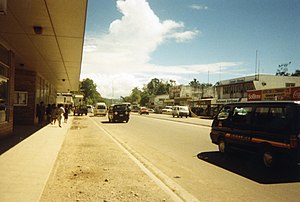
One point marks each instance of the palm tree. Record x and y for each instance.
(195, 83)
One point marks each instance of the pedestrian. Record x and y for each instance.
(48, 113)
(40, 112)
(60, 112)
(66, 114)
(53, 114)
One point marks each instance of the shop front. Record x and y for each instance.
(6, 91)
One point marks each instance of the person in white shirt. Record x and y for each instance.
(60, 112)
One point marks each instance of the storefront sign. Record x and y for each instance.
(225, 101)
(292, 93)
(295, 93)
(254, 95)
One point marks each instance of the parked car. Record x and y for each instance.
(144, 110)
(271, 129)
(80, 110)
(119, 112)
(100, 109)
(167, 110)
(151, 110)
(180, 111)
(90, 108)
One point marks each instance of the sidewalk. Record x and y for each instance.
(72, 163)
(25, 168)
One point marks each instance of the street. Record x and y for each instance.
(181, 155)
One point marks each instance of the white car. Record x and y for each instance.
(180, 111)
(167, 110)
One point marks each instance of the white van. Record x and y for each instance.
(180, 111)
(100, 109)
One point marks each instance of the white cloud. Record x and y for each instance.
(184, 36)
(119, 60)
(199, 7)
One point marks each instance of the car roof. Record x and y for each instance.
(264, 103)
(118, 104)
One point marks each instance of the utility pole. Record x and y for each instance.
(220, 74)
(256, 64)
(208, 77)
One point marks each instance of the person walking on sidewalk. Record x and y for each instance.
(48, 113)
(60, 112)
(40, 112)
(66, 114)
(53, 114)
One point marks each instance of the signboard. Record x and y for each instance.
(292, 93)
(295, 93)
(254, 95)
(225, 101)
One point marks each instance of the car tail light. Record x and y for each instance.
(293, 141)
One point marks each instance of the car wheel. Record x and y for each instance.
(127, 120)
(268, 158)
(173, 115)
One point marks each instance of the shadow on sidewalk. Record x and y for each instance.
(20, 133)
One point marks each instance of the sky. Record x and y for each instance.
(129, 42)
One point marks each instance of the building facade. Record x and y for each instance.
(186, 94)
(41, 44)
(235, 90)
(158, 102)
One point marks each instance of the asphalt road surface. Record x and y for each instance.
(182, 156)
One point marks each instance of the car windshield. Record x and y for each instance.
(101, 107)
(120, 107)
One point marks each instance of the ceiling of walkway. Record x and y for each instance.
(56, 53)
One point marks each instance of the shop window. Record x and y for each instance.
(4, 55)
(290, 85)
(3, 99)
(20, 98)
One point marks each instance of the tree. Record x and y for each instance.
(195, 83)
(89, 90)
(152, 86)
(157, 87)
(297, 73)
(283, 70)
(135, 95)
(144, 98)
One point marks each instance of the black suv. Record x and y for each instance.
(80, 110)
(119, 112)
(271, 129)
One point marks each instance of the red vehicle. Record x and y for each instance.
(143, 110)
